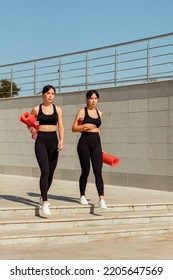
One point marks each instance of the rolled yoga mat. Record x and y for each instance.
(110, 160)
(28, 119)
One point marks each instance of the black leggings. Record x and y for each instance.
(89, 147)
(47, 157)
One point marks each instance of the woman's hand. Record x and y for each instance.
(88, 126)
(32, 130)
(60, 146)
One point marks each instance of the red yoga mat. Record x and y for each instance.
(28, 119)
(110, 160)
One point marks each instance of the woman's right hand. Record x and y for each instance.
(88, 126)
(32, 130)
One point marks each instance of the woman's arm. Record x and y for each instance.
(100, 113)
(76, 127)
(60, 129)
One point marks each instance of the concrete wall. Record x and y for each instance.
(137, 126)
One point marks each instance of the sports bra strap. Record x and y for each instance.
(87, 115)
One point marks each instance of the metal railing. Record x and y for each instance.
(149, 59)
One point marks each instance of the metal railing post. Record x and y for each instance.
(35, 75)
(59, 71)
(86, 72)
(11, 84)
(115, 68)
(148, 61)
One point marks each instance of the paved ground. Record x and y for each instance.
(123, 249)
(17, 191)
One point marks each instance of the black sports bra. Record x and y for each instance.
(47, 119)
(88, 119)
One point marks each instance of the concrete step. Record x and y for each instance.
(55, 222)
(78, 234)
(26, 225)
(77, 209)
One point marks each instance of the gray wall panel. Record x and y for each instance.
(137, 126)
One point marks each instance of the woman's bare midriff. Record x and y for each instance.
(48, 128)
(93, 130)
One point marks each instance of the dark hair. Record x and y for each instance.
(91, 92)
(47, 88)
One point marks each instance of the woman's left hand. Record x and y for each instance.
(60, 146)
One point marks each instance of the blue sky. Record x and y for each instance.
(32, 29)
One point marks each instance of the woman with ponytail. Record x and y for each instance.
(88, 122)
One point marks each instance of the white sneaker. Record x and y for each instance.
(41, 201)
(45, 209)
(83, 200)
(102, 204)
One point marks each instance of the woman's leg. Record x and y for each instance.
(84, 158)
(97, 163)
(43, 162)
(53, 159)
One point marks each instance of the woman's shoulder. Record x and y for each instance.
(36, 107)
(58, 109)
(35, 110)
(81, 112)
(100, 112)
